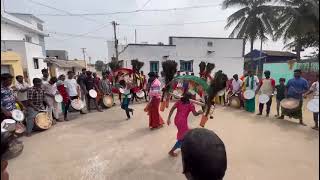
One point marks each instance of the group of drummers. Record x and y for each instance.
(50, 98)
(241, 93)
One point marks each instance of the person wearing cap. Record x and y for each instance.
(204, 155)
(155, 120)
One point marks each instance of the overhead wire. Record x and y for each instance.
(132, 11)
(67, 13)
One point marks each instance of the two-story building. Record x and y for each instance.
(188, 52)
(23, 34)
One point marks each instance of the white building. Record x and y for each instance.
(23, 34)
(226, 53)
(151, 54)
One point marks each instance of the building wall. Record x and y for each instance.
(62, 54)
(13, 60)
(10, 32)
(227, 54)
(28, 51)
(146, 54)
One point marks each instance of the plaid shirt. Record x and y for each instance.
(8, 100)
(36, 96)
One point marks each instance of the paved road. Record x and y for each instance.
(104, 146)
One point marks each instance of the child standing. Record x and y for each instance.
(184, 107)
(126, 100)
(280, 89)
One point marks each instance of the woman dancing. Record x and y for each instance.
(155, 120)
(184, 107)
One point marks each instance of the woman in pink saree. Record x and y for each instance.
(155, 120)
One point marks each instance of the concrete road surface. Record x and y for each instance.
(104, 146)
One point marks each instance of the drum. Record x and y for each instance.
(17, 115)
(93, 93)
(290, 104)
(140, 94)
(313, 105)
(107, 101)
(234, 101)
(263, 98)
(9, 125)
(20, 128)
(221, 92)
(58, 98)
(248, 94)
(42, 121)
(77, 104)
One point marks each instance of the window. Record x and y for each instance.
(154, 66)
(27, 38)
(210, 44)
(5, 69)
(186, 66)
(40, 26)
(36, 63)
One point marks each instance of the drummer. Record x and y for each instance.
(35, 103)
(236, 85)
(105, 84)
(250, 83)
(315, 90)
(295, 88)
(50, 90)
(267, 86)
(72, 87)
(89, 82)
(8, 100)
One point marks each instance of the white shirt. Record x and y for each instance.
(72, 86)
(255, 83)
(22, 96)
(315, 88)
(236, 85)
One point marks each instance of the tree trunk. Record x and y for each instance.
(251, 50)
(298, 49)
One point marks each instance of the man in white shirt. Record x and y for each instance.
(236, 84)
(315, 90)
(50, 90)
(22, 89)
(235, 87)
(251, 82)
(73, 88)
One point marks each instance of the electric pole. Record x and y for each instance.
(114, 24)
(84, 55)
(135, 36)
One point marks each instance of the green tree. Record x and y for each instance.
(299, 23)
(255, 19)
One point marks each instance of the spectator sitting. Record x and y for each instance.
(203, 155)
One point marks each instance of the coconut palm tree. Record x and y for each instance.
(255, 20)
(299, 21)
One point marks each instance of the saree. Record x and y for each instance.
(155, 120)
